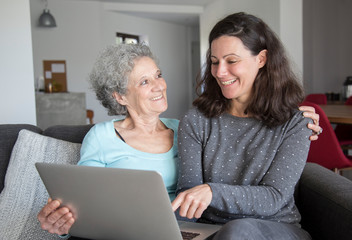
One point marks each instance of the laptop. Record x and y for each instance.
(113, 203)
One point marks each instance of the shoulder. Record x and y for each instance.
(298, 118)
(193, 112)
(195, 120)
(171, 122)
(193, 115)
(100, 129)
(103, 126)
(298, 122)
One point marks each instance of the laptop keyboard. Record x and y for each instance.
(189, 235)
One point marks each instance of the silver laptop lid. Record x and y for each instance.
(112, 203)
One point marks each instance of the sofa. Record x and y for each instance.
(323, 197)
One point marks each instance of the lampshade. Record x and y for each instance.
(46, 19)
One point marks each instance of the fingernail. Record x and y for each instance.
(56, 203)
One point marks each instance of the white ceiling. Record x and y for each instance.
(173, 2)
(189, 19)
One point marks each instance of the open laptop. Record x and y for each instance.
(113, 203)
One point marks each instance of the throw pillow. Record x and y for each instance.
(24, 193)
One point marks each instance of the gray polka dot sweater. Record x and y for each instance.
(251, 169)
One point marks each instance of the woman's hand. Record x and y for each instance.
(310, 112)
(54, 219)
(193, 202)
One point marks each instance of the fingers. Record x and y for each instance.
(48, 209)
(313, 116)
(185, 209)
(316, 131)
(176, 203)
(307, 109)
(310, 112)
(193, 202)
(313, 137)
(201, 208)
(54, 219)
(315, 128)
(195, 209)
(64, 224)
(183, 201)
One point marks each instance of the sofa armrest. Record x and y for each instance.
(325, 203)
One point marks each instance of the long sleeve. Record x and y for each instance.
(251, 169)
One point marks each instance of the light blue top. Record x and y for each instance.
(101, 147)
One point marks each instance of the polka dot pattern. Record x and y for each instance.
(251, 169)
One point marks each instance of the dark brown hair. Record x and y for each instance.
(275, 92)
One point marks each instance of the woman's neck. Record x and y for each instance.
(147, 134)
(238, 108)
(142, 124)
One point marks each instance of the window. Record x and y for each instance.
(126, 38)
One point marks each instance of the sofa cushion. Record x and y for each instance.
(71, 133)
(325, 203)
(8, 137)
(24, 193)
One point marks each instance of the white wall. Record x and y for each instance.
(76, 39)
(291, 32)
(17, 102)
(283, 16)
(268, 10)
(169, 42)
(327, 44)
(85, 27)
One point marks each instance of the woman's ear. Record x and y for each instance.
(262, 58)
(119, 98)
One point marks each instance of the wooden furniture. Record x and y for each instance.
(338, 113)
(90, 116)
(344, 132)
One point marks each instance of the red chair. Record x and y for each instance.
(317, 98)
(349, 101)
(326, 151)
(344, 131)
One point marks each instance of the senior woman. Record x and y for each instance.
(127, 81)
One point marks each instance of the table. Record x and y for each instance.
(338, 113)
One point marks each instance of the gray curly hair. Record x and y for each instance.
(111, 71)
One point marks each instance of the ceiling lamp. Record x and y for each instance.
(46, 19)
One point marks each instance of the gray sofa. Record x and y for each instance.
(323, 197)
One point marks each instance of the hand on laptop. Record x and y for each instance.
(193, 202)
(54, 219)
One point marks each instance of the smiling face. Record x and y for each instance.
(234, 67)
(146, 90)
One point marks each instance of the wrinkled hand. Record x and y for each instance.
(54, 219)
(193, 202)
(310, 112)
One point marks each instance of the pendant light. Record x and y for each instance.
(46, 19)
